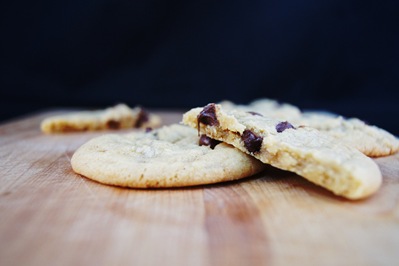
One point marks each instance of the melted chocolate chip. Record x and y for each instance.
(280, 127)
(113, 124)
(143, 117)
(208, 116)
(254, 113)
(207, 141)
(252, 142)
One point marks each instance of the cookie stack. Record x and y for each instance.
(222, 142)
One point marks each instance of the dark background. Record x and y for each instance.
(336, 55)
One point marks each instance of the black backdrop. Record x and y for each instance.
(336, 55)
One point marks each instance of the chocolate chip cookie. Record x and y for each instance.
(171, 156)
(120, 116)
(316, 156)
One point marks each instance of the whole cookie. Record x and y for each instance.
(171, 156)
(316, 156)
(117, 117)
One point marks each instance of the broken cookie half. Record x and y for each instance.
(316, 156)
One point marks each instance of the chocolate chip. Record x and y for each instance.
(143, 117)
(280, 127)
(113, 124)
(254, 113)
(208, 116)
(148, 129)
(252, 142)
(207, 141)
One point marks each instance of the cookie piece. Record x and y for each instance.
(117, 117)
(316, 156)
(167, 157)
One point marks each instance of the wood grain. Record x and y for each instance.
(51, 216)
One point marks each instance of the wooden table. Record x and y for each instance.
(51, 216)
